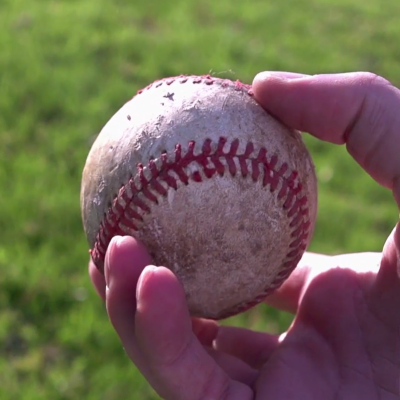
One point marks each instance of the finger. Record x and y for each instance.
(359, 109)
(287, 74)
(98, 280)
(236, 369)
(181, 367)
(366, 262)
(125, 260)
(288, 296)
(385, 294)
(253, 348)
(205, 330)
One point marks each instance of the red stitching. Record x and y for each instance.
(127, 209)
(206, 79)
(133, 199)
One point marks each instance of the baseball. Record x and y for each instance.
(218, 190)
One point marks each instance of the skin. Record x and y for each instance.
(343, 343)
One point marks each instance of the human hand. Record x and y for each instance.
(343, 341)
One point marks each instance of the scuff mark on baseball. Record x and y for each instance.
(219, 191)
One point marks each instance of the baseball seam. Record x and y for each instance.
(205, 79)
(135, 198)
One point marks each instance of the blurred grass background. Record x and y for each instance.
(65, 67)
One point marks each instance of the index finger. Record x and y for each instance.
(147, 307)
(361, 110)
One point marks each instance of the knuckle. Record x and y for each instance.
(376, 115)
(177, 356)
(371, 90)
(372, 108)
(371, 79)
(216, 386)
(375, 121)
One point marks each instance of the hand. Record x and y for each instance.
(343, 341)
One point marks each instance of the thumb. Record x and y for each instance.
(359, 109)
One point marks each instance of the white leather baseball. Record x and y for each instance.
(219, 191)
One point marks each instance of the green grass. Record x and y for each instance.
(65, 67)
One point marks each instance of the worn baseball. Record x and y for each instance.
(218, 190)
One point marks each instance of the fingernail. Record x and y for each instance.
(283, 75)
(143, 276)
(107, 270)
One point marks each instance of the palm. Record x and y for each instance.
(291, 371)
(336, 346)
